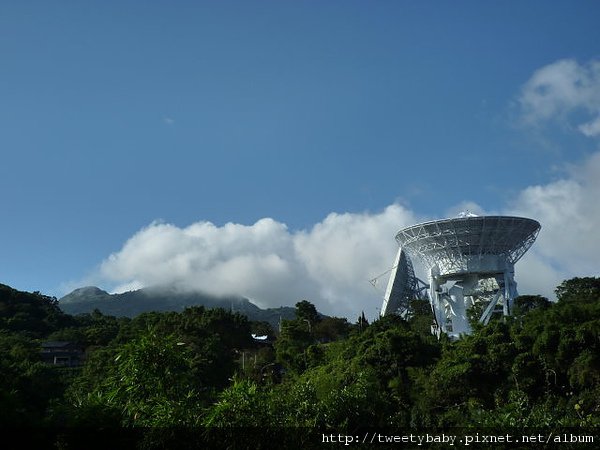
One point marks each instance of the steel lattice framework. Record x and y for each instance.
(477, 254)
(403, 288)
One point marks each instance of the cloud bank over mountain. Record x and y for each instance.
(330, 264)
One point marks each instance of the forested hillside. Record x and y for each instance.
(201, 369)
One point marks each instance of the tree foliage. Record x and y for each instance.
(201, 366)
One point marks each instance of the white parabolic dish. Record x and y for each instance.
(477, 254)
(469, 244)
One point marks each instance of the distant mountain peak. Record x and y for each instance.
(85, 294)
(89, 290)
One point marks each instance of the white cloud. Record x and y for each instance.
(344, 251)
(569, 243)
(592, 128)
(232, 259)
(330, 264)
(564, 92)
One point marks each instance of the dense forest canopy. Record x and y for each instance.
(202, 368)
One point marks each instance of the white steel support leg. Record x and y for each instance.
(436, 301)
(513, 290)
(460, 323)
(510, 291)
(388, 307)
(487, 314)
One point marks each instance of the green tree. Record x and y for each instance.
(580, 289)
(152, 382)
(331, 329)
(292, 344)
(362, 322)
(306, 311)
(241, 405)
(31, 313)
(28, 386)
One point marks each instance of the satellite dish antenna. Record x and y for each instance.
(470, 260)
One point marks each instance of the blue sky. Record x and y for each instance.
(122, 120)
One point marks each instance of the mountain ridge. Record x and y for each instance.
(164, 298)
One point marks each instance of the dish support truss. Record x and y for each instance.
(473, 296)
(403, 287)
